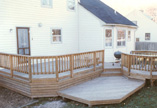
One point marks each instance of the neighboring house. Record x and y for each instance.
(55, 27)
(146, 27)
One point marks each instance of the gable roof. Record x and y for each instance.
(105, 13)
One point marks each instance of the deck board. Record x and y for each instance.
(103, 89)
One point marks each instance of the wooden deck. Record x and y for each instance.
(43, 76)
(140, 65)
(51, 76)
(103, 90)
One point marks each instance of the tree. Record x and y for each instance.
(152, 11)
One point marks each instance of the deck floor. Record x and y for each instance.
(103, 90)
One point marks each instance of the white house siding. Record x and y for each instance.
(81, 30)
(28, 13)
(90, 31)
(145, 25)
(109, 52)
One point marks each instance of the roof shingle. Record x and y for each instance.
(105, 13)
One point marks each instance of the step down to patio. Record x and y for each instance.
(112, 72)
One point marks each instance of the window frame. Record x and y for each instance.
(70, 9)
(138, 39)
(149, 36)
(111, 37)
(47, 6)
(121, 29)
(53, 28)
(129, 35)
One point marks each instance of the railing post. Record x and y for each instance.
(29, 69)
(151, 70)
(95, 61)
(57, 77)
(122, 59)
(129, 65)
(11, 65)
(71, 65)
(103, 61)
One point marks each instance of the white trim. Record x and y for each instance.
(122, 25)
(117, 37)
(145, 37)
(56, 35)
(104, 45)
(128, 35)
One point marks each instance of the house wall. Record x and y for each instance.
(145, 25)
(90, 31)
(28, 13)
(130, 45)
(92, 35)
(81, 30)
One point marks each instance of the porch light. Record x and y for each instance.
(40, 24)
(11, 30)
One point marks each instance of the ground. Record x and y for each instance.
(145, 98)
(10, 99)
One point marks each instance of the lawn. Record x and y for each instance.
(145, 98)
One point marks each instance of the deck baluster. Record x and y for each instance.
(30, 71)
(11, 65)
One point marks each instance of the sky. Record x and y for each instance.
(126, 6)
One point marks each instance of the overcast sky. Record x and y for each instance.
(126, 6)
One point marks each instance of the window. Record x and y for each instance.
(71, 5)
(137, 39)
(129, 35)
(46, 3)
(121, 38)
(108, 38)
(56, 35)
(147, 36)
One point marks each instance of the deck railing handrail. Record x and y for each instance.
(145, 52)
(140, 55)
(139, 62)
(36, 65)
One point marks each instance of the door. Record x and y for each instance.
(109, 44)
(23, 40)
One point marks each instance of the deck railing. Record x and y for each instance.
(12, 64)
(153, 53)
(139, 61)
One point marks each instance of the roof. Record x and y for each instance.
(105, 13)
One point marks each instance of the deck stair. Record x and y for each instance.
(112, 72)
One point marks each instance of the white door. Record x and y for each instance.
(108, 44)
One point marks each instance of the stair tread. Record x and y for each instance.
(110, 72)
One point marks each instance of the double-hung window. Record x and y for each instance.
(121, 37)
(71, 5)
(108, 38)
(56, 35)
(147, 36)
(46, 3)
(129, 35)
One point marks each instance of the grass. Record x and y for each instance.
(145, 98)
